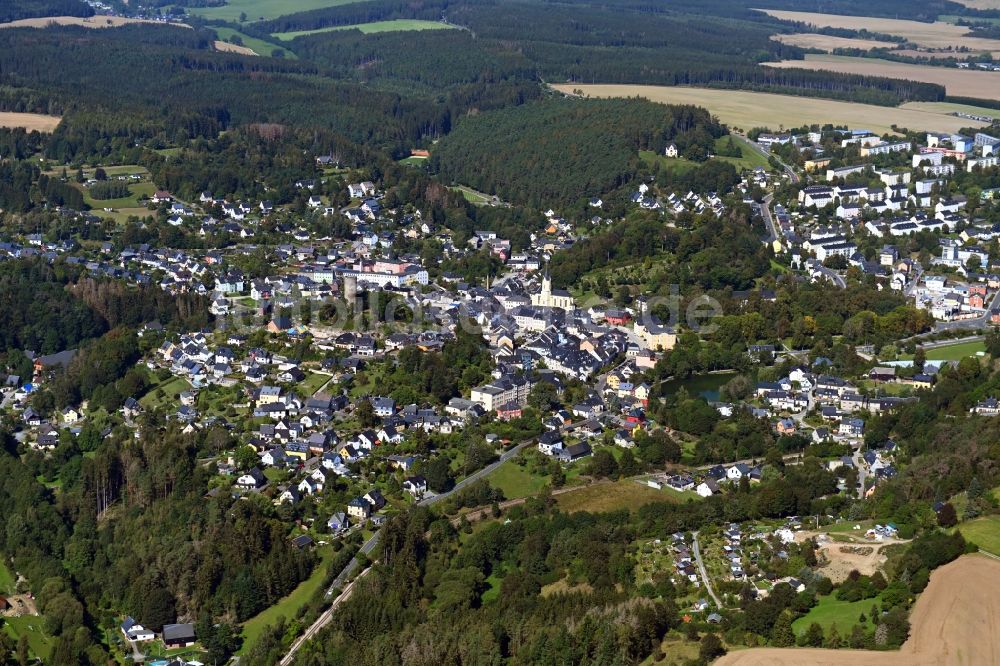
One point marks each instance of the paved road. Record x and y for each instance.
(767, 155)
(979, 322)
(912, 287)
(832, 276)
(773, 233)
(704, 574)
(772, 228)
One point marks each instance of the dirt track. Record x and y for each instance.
(954, 623)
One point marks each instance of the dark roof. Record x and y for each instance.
(302, 541)
(178, 632)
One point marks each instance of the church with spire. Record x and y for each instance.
(547, 298)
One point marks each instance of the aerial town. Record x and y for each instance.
(456, 354)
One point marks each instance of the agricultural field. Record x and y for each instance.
(953, 622)
(396, 25)
(936, 35)
(810, 40)
(226, 47)
(746, 110)
(949, 108)
(984, 532)
(980, 4)
(258, 46)
(29, 121)
(957, 82)
(259, 10)
(91, 22)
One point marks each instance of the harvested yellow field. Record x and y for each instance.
(937, 35)
(29, 121)
(745, 110)
(958, 82)
(917, 53)
(233, 48)
(980, 4)
(953, 623)
(92, 22)
(811, 40)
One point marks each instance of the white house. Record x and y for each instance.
(707, 488)
(737, 471)
(134, 631)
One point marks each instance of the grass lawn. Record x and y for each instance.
(6, 578)
(954, 352)
(675, 164)
(829, 611)
(413, 161)
(516, 481)
(603, 497)
(313, 383)
(121, 215)
(259, 46)
(290, 605)
(473, 197)
(156, 649)
(31, 626)
(171, 388)
(396, 25)
(492, 592)
(984, 532)
(687, 451)
(257, 10)
(750, 160)
(132, 201)
(274, 475)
